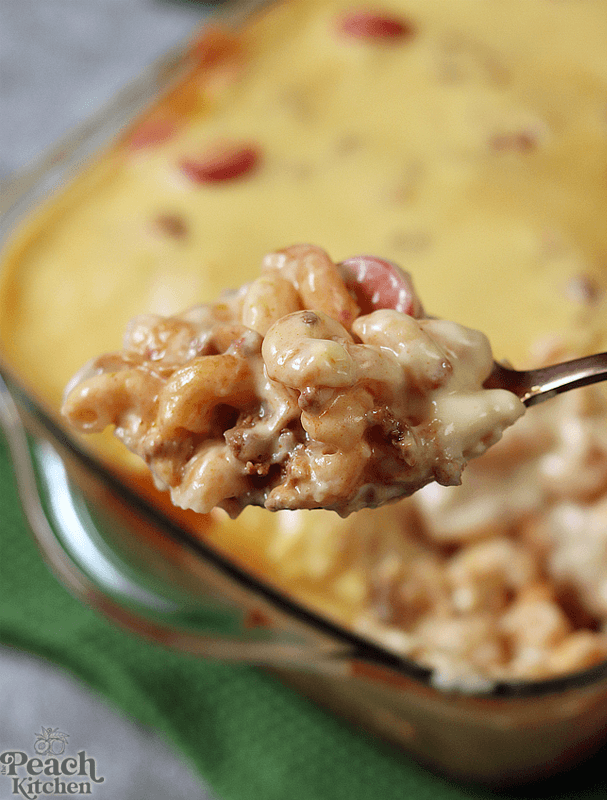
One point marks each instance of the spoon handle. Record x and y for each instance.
(536, 385)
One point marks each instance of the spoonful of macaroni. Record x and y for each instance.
(317, 385)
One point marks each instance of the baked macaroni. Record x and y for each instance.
(298, 391)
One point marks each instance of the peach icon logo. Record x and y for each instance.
(50, 740)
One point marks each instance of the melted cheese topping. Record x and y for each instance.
(405, 149)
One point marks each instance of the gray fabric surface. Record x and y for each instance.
(62, 59)
(134, 763)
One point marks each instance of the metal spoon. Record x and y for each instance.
(536, 385)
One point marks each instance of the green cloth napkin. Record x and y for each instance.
(250, 737)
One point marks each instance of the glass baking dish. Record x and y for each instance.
(126, 556)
